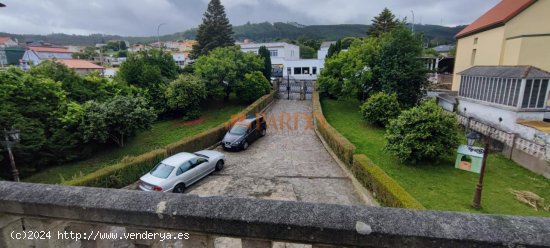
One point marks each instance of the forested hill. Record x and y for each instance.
(258, 32)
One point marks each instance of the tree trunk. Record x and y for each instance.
(227, 93)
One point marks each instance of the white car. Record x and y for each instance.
(180, 171)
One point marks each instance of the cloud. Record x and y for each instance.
(130, 17)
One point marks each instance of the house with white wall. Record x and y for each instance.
(182, 58)
(35, 55)
(281, 50)
(285, 57)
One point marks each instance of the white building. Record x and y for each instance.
(277, 50)
(35, 55)
(182, 59)
(510, 98)
(286, 57)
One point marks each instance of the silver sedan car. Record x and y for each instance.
(180, 171)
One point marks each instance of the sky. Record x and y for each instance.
(142, 17)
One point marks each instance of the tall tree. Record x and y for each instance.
(225, 68)
(383, 23)
(215, 30)
(266, 56)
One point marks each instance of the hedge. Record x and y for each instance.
(131, 168)
(119, 175)
(341, 146)
(386, 190)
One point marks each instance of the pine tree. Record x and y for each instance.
(385, 22)
(215, 30)
(266, 56)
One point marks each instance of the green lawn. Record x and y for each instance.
(161, 134)
(440, 186)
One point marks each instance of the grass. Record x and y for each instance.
(161, 134)
(438, 185)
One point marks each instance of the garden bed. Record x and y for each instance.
(161, 134)
(438, 185)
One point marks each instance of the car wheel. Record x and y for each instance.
(245, 145)
(180, 188)
(219, 165)
(264, 132)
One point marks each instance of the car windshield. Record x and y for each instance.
(162, 171)
(238, 130)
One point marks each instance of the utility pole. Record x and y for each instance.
(412, 28)
(158, 34)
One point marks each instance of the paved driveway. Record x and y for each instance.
(289, 163)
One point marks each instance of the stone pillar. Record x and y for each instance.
(8, 225)
(53, 227)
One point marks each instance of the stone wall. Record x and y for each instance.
(256, 223)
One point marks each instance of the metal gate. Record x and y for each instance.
(295, 89)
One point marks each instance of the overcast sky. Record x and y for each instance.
(141, 17)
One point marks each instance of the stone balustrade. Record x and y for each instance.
(252, 223)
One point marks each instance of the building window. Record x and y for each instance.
(534, 95)
(473, 59)
(305, 70)
(297, 71)
(314, 71)
(475, 41)
(274, 53)
(503, 91)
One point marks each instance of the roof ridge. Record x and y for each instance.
(497, 16)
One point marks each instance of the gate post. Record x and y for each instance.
(302, 90)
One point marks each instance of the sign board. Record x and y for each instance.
(469, 158)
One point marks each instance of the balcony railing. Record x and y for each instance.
(254, 223)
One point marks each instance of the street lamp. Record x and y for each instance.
(288, 71)
(472, 138)
(412, 29)
(158, 33)
(12, 138)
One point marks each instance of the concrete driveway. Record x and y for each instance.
(289, 163)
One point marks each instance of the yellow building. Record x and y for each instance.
(514, 32)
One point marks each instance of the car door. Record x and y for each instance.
(203, 167)
(184, 174)
(197, 169)
(253, 131)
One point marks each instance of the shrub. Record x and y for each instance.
(422, 133)
(185, 94)
(130, 169)
(386, 190)
(116, 119)
(380, 108)
(254, 86)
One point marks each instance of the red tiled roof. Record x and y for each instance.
(498, 15)
(4, 39)
(79, 64)
(50, 49)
